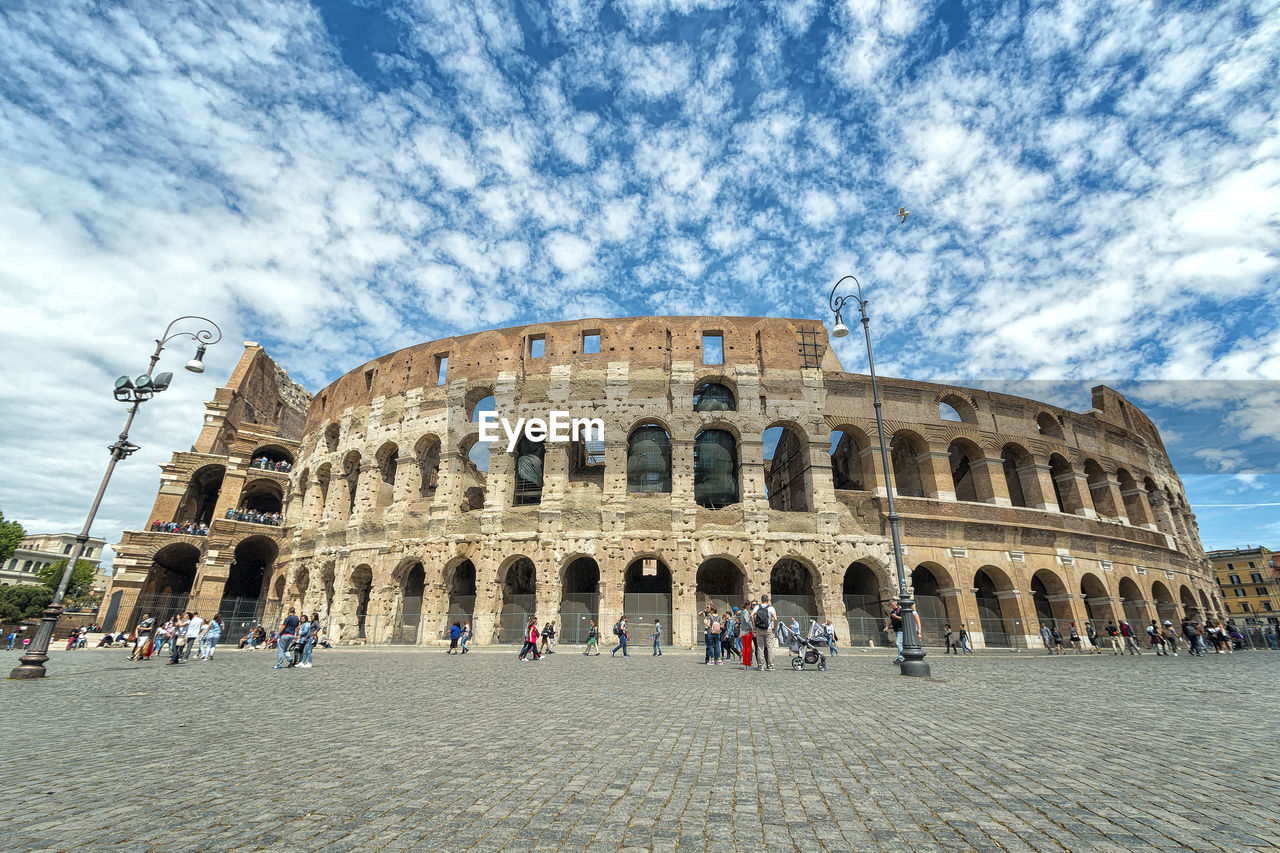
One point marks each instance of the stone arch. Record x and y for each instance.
(474, 457)
(301, 585)
(427, 451)
(1132, 602)
(459, 578)
(1206, 607)
(1190, 607)
(969, 483)
(715, 394)
(649, 458)
(530, 465)
(1050, 597)
(851, 464)
(173, 570)
(1019, 475)
(905, 448)
(715, 468)
(1100, 489)
(479, 400)
(252, 562)
(956, 408)
(928, 579)
(351, 471)
(331, 434)
(1162, 598)
(387, 460)
(519, 598)
(865, 602)
(997, 607)
(360, 591)
(262, 495)
(794, 590)
(201, 497)
(412, 577)
(275, 454)
(324, 476)
(579, 598)
(1129, 493)
(720, 581)
(1049, 425)
(787, 473)
(1099, 606)
(646, 594)
(1065, 491)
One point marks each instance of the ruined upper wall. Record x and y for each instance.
(642, 342)
(259, 392)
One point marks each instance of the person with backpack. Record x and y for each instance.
(1057, 640)
(711, 622)
(455, 634)
(1156, 638)
(593, 639)
(620, 631)
(728, 628)
(656, 637)
(1130, 643)
(1113, 634)
(1170, 638)
(1095, 644)
(764, 619)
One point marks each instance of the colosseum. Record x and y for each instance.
(738, 457)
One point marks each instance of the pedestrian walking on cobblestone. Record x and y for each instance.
(965, 648)
(1076, 642)
(212, 633)
(1095, 645)
(830, 631)
(728, 627)
(529, 651)
(593, 638)
(895, 626)
(1156, 639)
(179, 637)
(466, 636)
(288, 630)
(142, 643)
(1057, 640)
(164, 635)
(764, 619)
(1046, 637)
(455, 634)
(1170, 638)
(191, 635)
(549, 638)
(948, 641)
(656, 637)
(309, 645)
(1113, 634)
(711, 623)
(620, 631)
(1130, 640)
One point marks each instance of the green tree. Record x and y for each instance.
(11, 534)
(23, 602)
(81, 578)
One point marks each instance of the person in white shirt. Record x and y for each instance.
(764, 620)
(830, 631)
(193, 634)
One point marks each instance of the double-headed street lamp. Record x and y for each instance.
(135, 392)
(912, 653)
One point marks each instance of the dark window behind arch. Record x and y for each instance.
(714, 397)
(715, 469)
(649, 459)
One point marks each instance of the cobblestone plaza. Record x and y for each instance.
(414, 749)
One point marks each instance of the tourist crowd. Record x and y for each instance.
(1163, 639)
(254, 517)
(267, 465)
(190, 528)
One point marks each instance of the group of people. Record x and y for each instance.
(16, 636)
(253, 516)
(1163, 639)
(183, 633)
(190, 528)
(267, 465)
(459, 634)
(296, 640)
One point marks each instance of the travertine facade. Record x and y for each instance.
(1016, 513)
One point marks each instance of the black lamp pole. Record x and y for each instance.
(912, 653)
(135, 392)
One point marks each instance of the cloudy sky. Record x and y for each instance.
(1095, 196)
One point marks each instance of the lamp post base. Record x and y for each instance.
(31, 664)
(916, 668)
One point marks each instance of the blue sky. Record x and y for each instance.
(1095, 196)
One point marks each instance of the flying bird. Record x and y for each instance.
(902, 213)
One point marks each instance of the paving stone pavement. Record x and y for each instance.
(417, 750)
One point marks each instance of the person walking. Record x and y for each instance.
(142, 638)
(455, 634)
(212, 633)
(549, 638)
(308, 647)
(1191, 635)
(195, 626)
(764, 619)
(164, 636)
(529, 651)
(895, 626)
(947, 640)
(1113, 634)
(728, 626)
(620, 631)
(288, 630)
(1170, 638)
(656, 637)
(711, 621)
(10, 640)
(1046, 637)
(830, 631)
(965, 648)
(1076, 642)
(1057, 640)
(1130, 642)
(465, 637)
(1095, 645)
(1155, 638)
(593, 639)
(179, 638)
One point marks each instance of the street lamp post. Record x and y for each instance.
(912, 653)
(135, 392)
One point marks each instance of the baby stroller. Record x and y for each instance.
(804, 650)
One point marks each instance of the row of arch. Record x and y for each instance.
(259, 493)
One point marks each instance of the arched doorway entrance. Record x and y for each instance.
(864, 606)
(519, 600)
(929, 603)
(201, 495)
(460, 583)
(168, 585)
(579, 600)
(1135, 609)
(998, 630)
(1166, 607)
(1048, 593)
(1190, 608)
(1098, 605)
(241, 604)
(361, 588)
(646, 596)
(720, 583)
(792, 592)
(408, 629)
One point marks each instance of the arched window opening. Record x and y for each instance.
(929, 603)
(201, 497)
(864, 605)
(649, 460)
(474, 477)
(251, 564)
(948, 412)
(579, 600)
(1096, 604)
(407, 630)
(1133, 603)
(260, 503)
(792, 592)
(714, 397)
(427, 453)
(388, 459)
(1015, 463)
(1065, 490)
(1166, 607)
(586, 460)
(323, 475)
(715, 469)
(1099, 489)
(351, 469)
(846, 461)
(1190, 608)
(460, 582)
(956, 409)
(962, 472)
(721, 583)
(786, 470)
(906, 467)
(519, 600)
(361, 588)
(646, 596)
(272, 457)
(1130, 494)
(477, 407)
(331, 437)
(997, 632)
(1048, 426)
(529, 456)
(173, 571)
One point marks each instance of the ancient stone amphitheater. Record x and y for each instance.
(738, 457)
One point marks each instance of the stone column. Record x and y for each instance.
(988, 480)
(935, 475)
(1043, 477)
